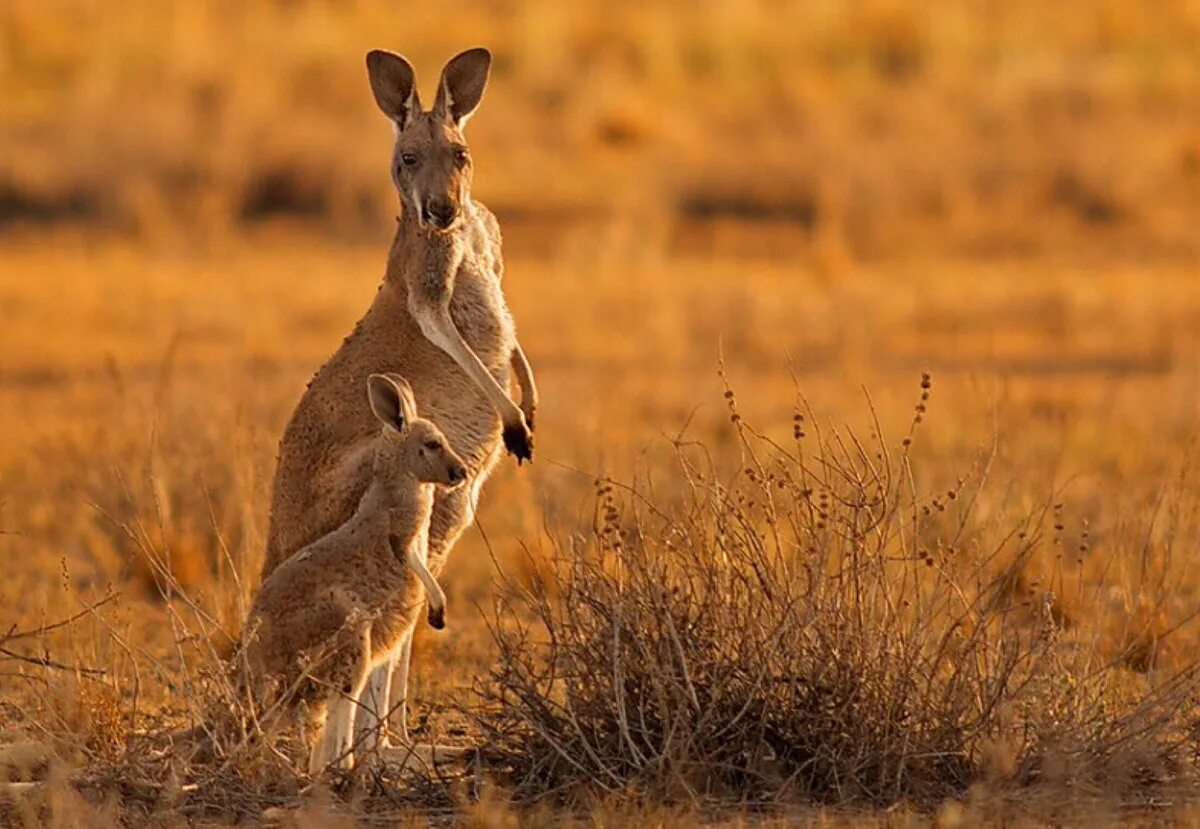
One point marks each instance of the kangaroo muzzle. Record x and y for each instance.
(456, 475)
(441, 215)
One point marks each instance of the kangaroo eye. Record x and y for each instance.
(408, 159)
(460, 156)
(432, 445)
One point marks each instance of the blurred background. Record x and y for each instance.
(834, 195)
(862, 127)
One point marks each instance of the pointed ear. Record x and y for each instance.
(461, 87)
(408, 403)
(391, 400)
(394, 85)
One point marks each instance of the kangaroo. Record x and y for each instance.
(348, 601)
(439, 319)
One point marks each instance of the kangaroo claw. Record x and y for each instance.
(437, 617)
(518, 440)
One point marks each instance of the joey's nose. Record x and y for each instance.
(440, 214)
(457, 475)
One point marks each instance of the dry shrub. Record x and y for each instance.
(807, 621)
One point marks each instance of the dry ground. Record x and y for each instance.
(140, 419)
(832, 198)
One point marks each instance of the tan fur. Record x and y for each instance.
(346, 602)
(321, 471)
(441, 282)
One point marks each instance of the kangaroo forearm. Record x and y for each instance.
(440, 330)
(524, 374)
(437, 598)
(418, 557)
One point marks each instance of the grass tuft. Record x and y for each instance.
(813, 624)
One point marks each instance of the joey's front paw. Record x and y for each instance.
(518, 440)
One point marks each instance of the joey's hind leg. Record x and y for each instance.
(312, 727)
(398, 712)
(344, 680)
(383, 704)
(333, 748)
(375, 703)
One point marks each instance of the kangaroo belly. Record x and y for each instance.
(320, 474)
(395, 617)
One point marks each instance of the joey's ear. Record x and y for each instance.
(461, 87)
(394, 85)
(408, 403)
(389, 402)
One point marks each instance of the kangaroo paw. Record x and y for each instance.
(518, 440)
(437, 617)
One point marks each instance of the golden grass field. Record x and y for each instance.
(826, 198)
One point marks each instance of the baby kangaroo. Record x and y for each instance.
(340, 606)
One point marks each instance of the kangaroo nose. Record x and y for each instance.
(457, 475)
(440, 214)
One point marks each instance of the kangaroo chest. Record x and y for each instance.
(479, 312)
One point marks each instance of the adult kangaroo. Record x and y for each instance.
(440, 320)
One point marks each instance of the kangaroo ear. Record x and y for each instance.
(394, 85)
(461, 87)
(391, 402)
(408, 403)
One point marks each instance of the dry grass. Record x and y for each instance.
(829, 195)
(809, 624)
(138, 450)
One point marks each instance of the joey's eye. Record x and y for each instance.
(432, 445)
(408, 159)
(460, 156)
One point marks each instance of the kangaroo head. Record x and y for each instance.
(431, 165)
(409, 445)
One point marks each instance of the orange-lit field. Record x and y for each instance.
(815, 204)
